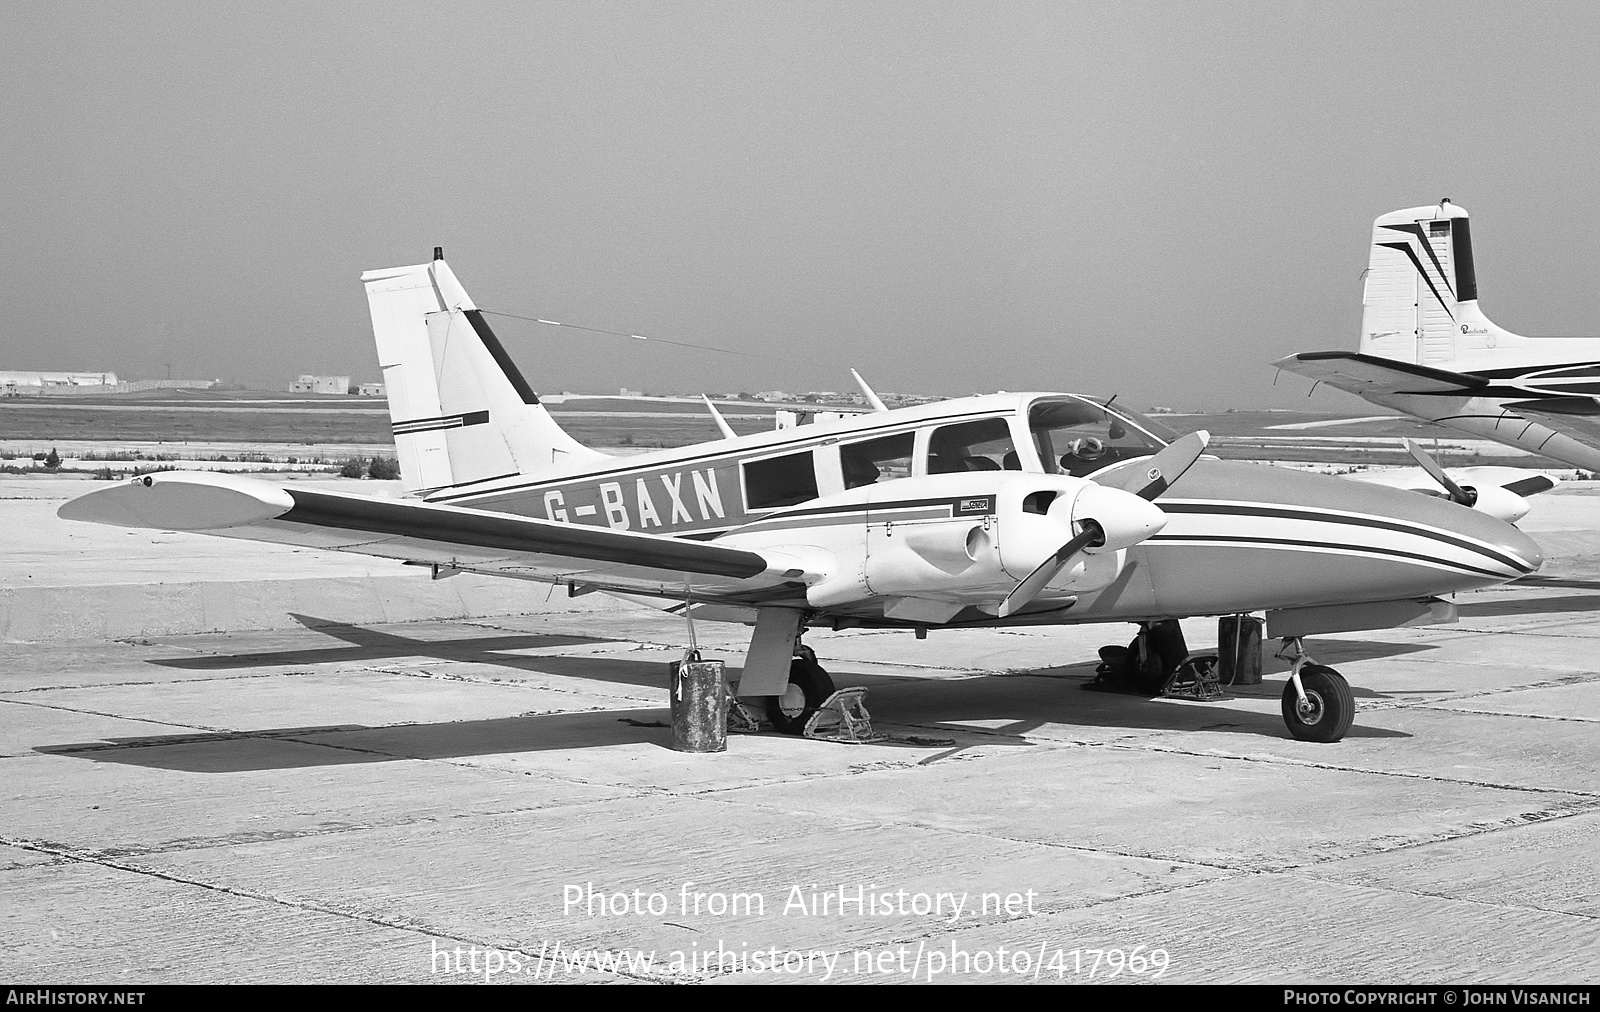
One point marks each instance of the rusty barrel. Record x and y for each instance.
(699, 706)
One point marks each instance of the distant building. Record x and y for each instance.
(167, 384)
(320, 385)
(23, 384)
(370, 389)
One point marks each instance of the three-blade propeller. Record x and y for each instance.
(1146, 479)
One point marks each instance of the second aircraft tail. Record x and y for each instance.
(1420, 303)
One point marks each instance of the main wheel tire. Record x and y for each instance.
(1330, 705)
(809, 687)
(1147, 674)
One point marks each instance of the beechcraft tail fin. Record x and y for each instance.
(461, 410)
(1420, 304)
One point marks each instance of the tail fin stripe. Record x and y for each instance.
(503, 360)
(1405, 248)
(1416, 230)
(445, 422)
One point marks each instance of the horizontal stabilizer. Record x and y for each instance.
(1365, 374)
(181, 501)
(1531, 485)
(1582, 406)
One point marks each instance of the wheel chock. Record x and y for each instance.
(843, 717)
(1196, 678)
(743, 718)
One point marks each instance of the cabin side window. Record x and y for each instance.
(876, 460)
(779, 481)
(984, 445)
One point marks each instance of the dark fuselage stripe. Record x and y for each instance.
(722, 456)
(1335, 518)
(1334, 546)
(860, 516)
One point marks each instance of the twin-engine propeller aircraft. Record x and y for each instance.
(1427, 349)
(1006, 509)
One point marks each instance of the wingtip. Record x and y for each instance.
(180, 501)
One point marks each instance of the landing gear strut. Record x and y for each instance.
(1317, 702)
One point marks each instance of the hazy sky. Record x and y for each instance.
(1151, 200)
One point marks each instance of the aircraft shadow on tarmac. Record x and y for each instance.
(987, 710)
(365, 644)
(1557, 581)
(368, 644)
(1533, 606)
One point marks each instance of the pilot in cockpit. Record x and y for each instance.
(1083, 455)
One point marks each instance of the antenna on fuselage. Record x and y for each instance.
(866, 391)
(716, 416)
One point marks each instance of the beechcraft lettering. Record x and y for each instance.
(632, 505)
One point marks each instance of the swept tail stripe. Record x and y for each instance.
(1416, 229)
(503, 360)
(1405, 248)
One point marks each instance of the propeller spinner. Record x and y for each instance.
(1118, 514)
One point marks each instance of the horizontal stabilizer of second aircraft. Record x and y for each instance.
(1364, 374)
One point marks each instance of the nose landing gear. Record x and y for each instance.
(1317, 702)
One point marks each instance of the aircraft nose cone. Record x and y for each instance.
(1519, 545)
(1444, 546)
(1125, 518)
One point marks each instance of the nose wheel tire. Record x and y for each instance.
(809, 687)
(1328, 709)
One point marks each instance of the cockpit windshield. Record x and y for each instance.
(1077, 436)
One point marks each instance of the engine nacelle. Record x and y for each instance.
(1499, 503)
(928, 547)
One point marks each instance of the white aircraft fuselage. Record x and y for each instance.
(1239, 537)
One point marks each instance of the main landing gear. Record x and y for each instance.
(809, 687)
(1317, 702)
(1158, 663)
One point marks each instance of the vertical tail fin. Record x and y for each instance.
(461, 410)
(1421, 298)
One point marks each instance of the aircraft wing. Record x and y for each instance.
(1367, 374)
(450, 537)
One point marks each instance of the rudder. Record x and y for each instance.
(461, 410)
